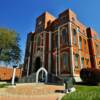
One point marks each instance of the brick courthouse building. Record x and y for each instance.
(61, 45)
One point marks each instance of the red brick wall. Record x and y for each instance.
(6, 73)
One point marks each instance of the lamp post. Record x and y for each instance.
(14, 74)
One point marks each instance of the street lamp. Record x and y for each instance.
(14, 74)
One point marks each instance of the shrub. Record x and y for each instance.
(90, 75)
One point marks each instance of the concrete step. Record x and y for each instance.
(77, 79)
(30, 78)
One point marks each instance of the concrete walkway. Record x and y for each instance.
(31, 92)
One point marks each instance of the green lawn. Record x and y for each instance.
(4, 85)
(84, 92)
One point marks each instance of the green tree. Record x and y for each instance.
(10, 51)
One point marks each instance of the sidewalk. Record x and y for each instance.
(45, 97)
(31, 92)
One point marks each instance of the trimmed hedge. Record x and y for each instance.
(90, 75)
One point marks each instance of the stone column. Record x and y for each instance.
(28, 64)
(13, 77)
(71, 48)
(56, 62)
(49, 57)
(44, 41)
(95, 62)
(59, 48)
(79, 48)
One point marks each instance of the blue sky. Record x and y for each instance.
(20, 15)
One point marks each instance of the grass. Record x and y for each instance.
(4, 85)
(84, 92)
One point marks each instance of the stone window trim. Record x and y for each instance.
(65, 27)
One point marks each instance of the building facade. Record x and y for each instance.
(63, 46)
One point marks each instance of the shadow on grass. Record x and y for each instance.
(86, 84)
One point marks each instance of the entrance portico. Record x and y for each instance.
(43, 77)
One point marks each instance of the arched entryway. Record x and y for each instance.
(45, 75)
(38, 63)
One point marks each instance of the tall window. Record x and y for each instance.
(64, 36)
(80, 42)
(65, 62)
(87, 61)
(82, 62)
(53, 41)
(97, 49)
(38, 41)
(84, 44)
(74, 36)
(76, 60)
(56, 40)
